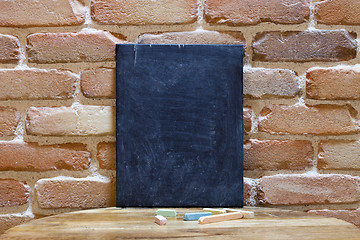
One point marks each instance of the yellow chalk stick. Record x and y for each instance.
(247, 214)
(220, 217)
(214, 210)
(160, 220)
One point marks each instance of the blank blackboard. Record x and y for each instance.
(179, 125)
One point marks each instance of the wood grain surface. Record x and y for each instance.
(138, 223)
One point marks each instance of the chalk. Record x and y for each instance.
(214, 210)
(166, 212)
(195, 216)
(247, 214)
(160, 220)
(220, 217)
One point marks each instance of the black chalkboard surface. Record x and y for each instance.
(179, 125)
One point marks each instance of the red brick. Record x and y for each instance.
(294, 46)
(339, 155)
(36, 84)
(47, 13)
(351, 216)
(304, 119)
(249, 12)
(33, 157)
(12, 193)
(346, 12)
(194, 37)
(140, 12)
(309, 189)
(91, 46)
(249, 189)
(106, 155)
(9, 49)
(75, 193)
(247, 114)
(333, 83)
(8, 221)
(264, 82)
(9, 119)
(99, 83)
(277, 154)
(78, 120)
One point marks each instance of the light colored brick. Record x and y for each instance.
(333, 83)
(65, 192)
(86, 46)
(194, 37)
(8, 221)
(44, 13)
(75, 120)
(294, 46)
(339, 155)
(277, 154)
(247, 115)
(99, 83)
(303, 119)
(249, 190)
(351, 216)
(309, 189)
(263, 82)
(9, 119)
(9, 49)
(140, 12)
(346, 12)
(12, 193)
(21, 156)
(106, 155)
(249, 12)
(36, 84)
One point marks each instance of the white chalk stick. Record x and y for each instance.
(160, 220)
(220, 217)
(214, 210)
(247, 214)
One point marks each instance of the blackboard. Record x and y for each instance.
(179, 125)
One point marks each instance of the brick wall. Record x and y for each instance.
(57, 98)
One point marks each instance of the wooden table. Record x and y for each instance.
(138, 223)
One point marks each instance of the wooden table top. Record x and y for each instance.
(138, 223)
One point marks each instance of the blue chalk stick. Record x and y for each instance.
(195, 216)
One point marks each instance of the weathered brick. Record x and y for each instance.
(106, 155)
(294, 46)
(21, 156)
(263, 82)
(194, 37)
(47, 13)
(309, 189)
(8, 221)
(339, 155)
(247, 115)
(277, 154)
(333, 83)
(75, 120)
(351, 216)
(9, 119)
(75, 193)
(303, 119)
(140, 12)
(250, 189)
(12, 193)
(249, 12)
(91, 46)
(345, 12)
(36, 84)
(9, 49)
(99, 83)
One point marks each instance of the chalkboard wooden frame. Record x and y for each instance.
(179, 125)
